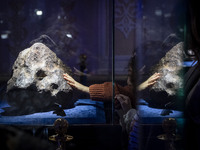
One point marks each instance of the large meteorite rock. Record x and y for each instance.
(167, 90)
(37, 82)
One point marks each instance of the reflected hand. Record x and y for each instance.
(153, 79)
(149, 82)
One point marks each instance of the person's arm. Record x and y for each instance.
(149, 82)
(105, 90)
(76, 84)
(97, 92)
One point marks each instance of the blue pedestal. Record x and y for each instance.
(85, 111)
(150, 115)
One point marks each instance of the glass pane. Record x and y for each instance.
(125, 65)
(40, 41)
(161, 50)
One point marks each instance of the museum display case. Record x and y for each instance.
(64, 61)
(75, 38)
(42, 40)
(161, 49)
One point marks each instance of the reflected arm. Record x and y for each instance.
(149, 82)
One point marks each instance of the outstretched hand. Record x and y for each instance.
(149, 82)
(75, 84)
(153, 79)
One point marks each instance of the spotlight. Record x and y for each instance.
(38, 12)
(4, 36)
(69, 35)
(158, 12)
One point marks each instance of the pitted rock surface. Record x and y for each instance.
(37, 82)
(167, 88)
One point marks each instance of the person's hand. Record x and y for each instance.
(149, 82)
(124, 101)
(75, 84)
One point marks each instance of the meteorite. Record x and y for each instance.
(167, 91)
(37, 82)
